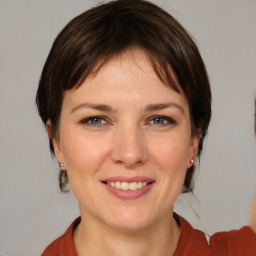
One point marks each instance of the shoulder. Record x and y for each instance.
(192, 241)
(52, 249)
(63, 246)
(236, 242)
(232, 243)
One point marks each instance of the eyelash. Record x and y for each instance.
(164, 121)
(89, 120)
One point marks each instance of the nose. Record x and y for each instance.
(129, 148)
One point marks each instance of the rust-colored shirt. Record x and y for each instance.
(192, 242)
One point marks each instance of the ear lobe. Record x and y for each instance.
(194, 144)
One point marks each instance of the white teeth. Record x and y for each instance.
(118, 185)
(127, 185)
(133, 186)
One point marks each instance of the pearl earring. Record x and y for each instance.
(60, 164)
(191, 160)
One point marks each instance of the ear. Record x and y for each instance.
(55, 141)
(193, 148)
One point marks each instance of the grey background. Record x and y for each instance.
(32, 210)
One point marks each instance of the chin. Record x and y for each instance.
(129, 225)
(130, 221)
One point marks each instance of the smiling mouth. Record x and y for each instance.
(127, 185)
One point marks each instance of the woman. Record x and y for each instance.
(126, 101)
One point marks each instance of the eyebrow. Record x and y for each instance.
(161, 106)
(100, 107)
(149, 108)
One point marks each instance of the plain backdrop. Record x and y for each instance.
(33, 211)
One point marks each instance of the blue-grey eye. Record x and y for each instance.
(162, 120)
(94, 120)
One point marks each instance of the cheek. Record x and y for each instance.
(171, 159)
(171, 154)
(83, 153)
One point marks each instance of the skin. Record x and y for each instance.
(128, 141)
(253, 216)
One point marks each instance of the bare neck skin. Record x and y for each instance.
(94, 238)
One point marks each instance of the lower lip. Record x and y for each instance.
(129, 194)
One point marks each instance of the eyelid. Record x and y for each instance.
(169, 119)
(85, 121)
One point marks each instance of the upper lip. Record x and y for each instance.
(128, 179)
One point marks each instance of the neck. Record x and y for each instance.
(160, 238)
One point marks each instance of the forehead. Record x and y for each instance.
(127, 62)
(129, 75)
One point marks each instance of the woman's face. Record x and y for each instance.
(125, 141)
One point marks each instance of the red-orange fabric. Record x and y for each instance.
(192, 242)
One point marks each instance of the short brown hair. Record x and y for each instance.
(89, 40)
